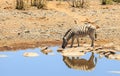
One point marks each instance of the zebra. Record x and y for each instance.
(80, 31)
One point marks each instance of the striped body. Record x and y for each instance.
(79, 31)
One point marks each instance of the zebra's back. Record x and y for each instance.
(83, 30)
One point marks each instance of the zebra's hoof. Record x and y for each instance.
(92, 45)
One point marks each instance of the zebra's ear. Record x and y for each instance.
(97, 27)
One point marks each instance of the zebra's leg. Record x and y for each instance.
(95, 36)
(92, 45)
(73, 38)
(92, 37)
(78, 41)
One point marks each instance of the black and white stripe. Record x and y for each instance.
(79, 31)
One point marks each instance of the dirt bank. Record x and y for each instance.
(20, 29)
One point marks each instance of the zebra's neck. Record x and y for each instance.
(68, 35)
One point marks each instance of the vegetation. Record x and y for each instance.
(118, 1)
(78, 3)
(41, 4)
(104, 2)
(19, 4)
(34, 2)
(22, 4)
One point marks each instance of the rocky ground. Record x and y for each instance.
(20, 29)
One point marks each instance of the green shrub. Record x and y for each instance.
(104, 2)
(118, 1)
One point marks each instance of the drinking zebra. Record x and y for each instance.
(80, 31)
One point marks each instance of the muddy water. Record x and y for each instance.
(54, 64)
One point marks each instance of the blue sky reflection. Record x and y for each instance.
(50, 65)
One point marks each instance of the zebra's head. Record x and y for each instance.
(65, 42)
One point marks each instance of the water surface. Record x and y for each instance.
(15, 64)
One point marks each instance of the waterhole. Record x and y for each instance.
(32, 62)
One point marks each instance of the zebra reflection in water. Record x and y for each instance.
(81, 64)
(80, 31)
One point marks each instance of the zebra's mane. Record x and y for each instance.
(67, 32)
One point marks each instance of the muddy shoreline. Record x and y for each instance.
(49, 43)
(28, 45)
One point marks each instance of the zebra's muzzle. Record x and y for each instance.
(63, 47)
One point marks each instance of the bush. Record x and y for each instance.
(78, 3)
(34, 2)
(104, 2)
(24, 4)
(19, 4)
(41, 4)
(118, 1)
